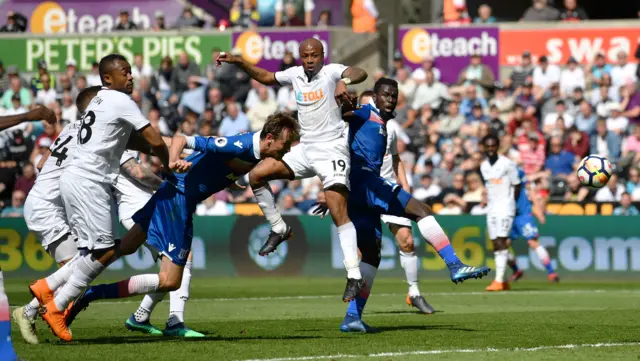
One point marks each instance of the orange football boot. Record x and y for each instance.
(496, 286)
(553, 278)
(55, 319)
(41, 291)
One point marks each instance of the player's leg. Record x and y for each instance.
(175, 324)
(6, 347)
(511, 258)
(499, 227)
(409, 262)
(543, 255)
(434, 235)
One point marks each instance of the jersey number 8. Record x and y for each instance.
(84, 134)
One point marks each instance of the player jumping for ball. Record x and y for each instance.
(322, 152)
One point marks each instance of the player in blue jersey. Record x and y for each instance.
(528, 208)
(372, 196)
(166, 221)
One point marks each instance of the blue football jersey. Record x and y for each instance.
(523, 204)
(217, 162)
(367, 139)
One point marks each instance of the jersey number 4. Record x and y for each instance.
(84, 134)
(60, 151)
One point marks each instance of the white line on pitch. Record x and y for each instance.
(438, 352)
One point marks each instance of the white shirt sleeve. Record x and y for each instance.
(285, 77)
(335, 70)
(371, 8)
(513, 174)
(132, 114)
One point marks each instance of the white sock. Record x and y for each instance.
(267, 203)
(501, 264)
(2, 283)
(142, 284)
(434, 234)
(409, 262)
(179, 298)
(510, 256)
(149, 302)
(85, 270)
(349, 245)
(542, 253)
(31, 309)
(59, 277)
(369, 274)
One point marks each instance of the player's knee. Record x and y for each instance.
(167, 284)
(405, 241)
(417, 210)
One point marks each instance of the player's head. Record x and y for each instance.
(311, 56)
(85, 96)
(491, 142)
(386, 96)
(115, 73)
(277, 135)
(366, 96)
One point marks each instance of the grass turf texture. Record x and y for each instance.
(259, 319)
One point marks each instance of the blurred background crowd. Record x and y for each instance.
(548, 116)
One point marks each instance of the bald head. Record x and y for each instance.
(312, 56)
(311, 44)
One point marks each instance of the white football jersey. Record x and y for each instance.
(319, 115)
(130, 194)
(500, 179)
(392, 149)
(62, 151)
(108, 121)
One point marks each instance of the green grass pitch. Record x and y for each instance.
(297, 319)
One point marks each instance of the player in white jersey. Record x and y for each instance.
(400, 226)
(6, 122)
(85, 184)
(323, 150)
(503, 189)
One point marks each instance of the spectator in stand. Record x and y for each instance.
(633, 181)
(288, 206)
(624, 71)
(473, 121)
(426, 191)
(559, 163)
(481, 209)
(291, 19)
(526, 99)
(616, 122)
(406, 85)
(3, 78)
(470, 100)
(159, 25)
(93, 77)
(302, 10)
(522, 72)
(36, 83)
(625, 208)
(26, 181)
(521, 123)
(420, 74)
(540, 11)
(397, 64)
(454, 13)
(124, 23)
(551, 119)
(13, 25)
(213, 206)
(16, 210)
(631, 102)
(181, 73)
(288, 61)
(140, 69)
(631, 149)
(16, 91)
(449, 125)
(71, 70)
(253, 96)
(262, 108)
(364, 14)
(474, 188)
(576, 192)
(577, 142)
(324, 20)
(545, 74)
(432, 92)
(532, 153)
(586, 118)
(267, 12)
(453, 206)
(607, 144)
(446, 170)
(479, 75)
(243, 14)
(503, 102)
(188, 20)
(69, 109)
(612, 192)
(572, 77)
(235, 122)
(572, 12)
(47, 94)
(549, 100)
(484, 15)
(599, 67)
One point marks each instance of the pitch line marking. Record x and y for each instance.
(438, 352)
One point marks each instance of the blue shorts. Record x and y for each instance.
(168, 222)
(524, 226)
(372, 196)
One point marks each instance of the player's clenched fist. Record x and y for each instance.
(180, 166)
(42, 113)
(224, 57)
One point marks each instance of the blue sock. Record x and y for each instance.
(448, 255)
(549, 268)
(514, 267)
(353, 309)
(6, 347)
(102, 292)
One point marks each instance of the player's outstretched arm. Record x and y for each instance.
(354, 74)
(262, 75)
(40, 113)
(158, 146)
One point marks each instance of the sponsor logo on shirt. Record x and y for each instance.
(312, 96)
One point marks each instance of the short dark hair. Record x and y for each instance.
(107, 63)
(384, 81)
(85, 96)
(491, 135)
(366, 93)
(277, 122)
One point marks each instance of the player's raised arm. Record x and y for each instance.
(40, 113)
(262, 75)
(132, 115)
(353, 75)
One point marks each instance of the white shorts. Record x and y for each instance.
(400, 221)
(499, 225)
(89, 207)
(46, 218)
(329, 161)
(63, 249)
